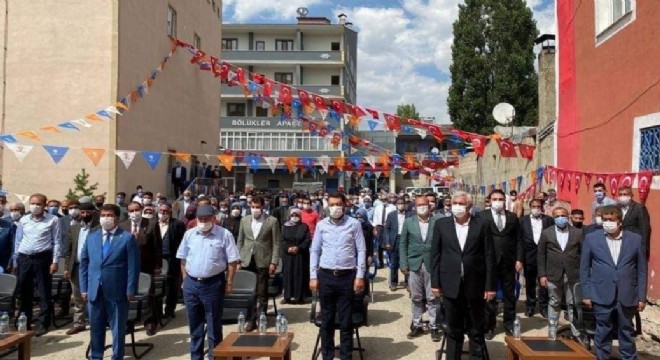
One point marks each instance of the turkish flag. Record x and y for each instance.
(268, 86)
(355, 110)
(569, 179)
(560, 178)
(644, 180)
(601, 178)
(199, 55)
(507, 149)
(461, 134)
(526, 151)
(319, 102)
(258, 78)
(240, 76)
(285, 94)
(578, 180)
(373, 113)
(436, 131)
(614, 184)
(627, 179)
(338, 106)
(224, 70)
(587, 178)
(479, 144)
(392, 122)
(304, 97)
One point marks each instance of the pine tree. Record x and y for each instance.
(82, 187)
(407, 111)
(493, 62)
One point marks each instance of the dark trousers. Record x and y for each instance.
(204, 304)
(31, 268)
(606, 317)
(173, 284)
(178, 185)
(379, 246)
(463, 314)
(262, 287)
(336, 297)
(531, 284)
(506, 275)
(103, 312)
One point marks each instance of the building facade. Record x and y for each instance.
(609, 98)
(315, 55)
(90, 54)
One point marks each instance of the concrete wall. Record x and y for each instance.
(319, 42)
(319, 76)
(244, 42)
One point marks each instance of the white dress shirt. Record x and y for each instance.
(401, 218)
(424, 229)
(562, 237)
(462, 233)
(537, 228)
(177, 172)
(256, 225)
(614, 244)
(501, 215)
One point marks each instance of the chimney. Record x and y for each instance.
(342, 19)
(547, 91)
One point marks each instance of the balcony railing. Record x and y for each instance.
(324, 90)
(311, 57)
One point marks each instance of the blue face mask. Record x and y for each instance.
(561, 222)
(53, 210)
(599, 195)
(361, 220)
(367, 205)
(243, 203)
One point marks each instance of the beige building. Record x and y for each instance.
(64, 60)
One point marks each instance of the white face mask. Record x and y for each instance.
(202, 226)
(610, 227)
(163, 217)
(422, 210)
(236, 212)
(599, 220)
(458, 210)
(15, 215)
(36, 209)
(256, 212)
(186, 198)
(497, 205)
(306, 206)
(74, 212)
(536, 212)
(107, 222)
(135, 216)
(148, 216)
(336, 212)
(401, 207)
(295, 219)
(624, 200)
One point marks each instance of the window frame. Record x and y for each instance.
(197, 41)
(279, 42)
(225, 41)
(278, 77)
(171, 21)
(606, 9)
(335, 83)
(641, 123)
(231, 113)
(260, 42)
(332, 46)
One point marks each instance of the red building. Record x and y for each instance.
(609, 99)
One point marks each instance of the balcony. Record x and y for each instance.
(323, 90)
(283, 57)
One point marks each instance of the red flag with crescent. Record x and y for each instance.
(644, 180)
(578, 180)
(627, 179)
(338, 106)
(304, 97)
(587, 178)
(479, 145)
(601, 178)
(319, 102)
(268, 86)
(614, 184)
(436, 131)
(393, 122)
(507, 149)
(560, 178)
(285, 94)
(373, 113)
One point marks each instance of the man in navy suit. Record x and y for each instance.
(109, 274)
(179, 178)
(391, 233)
(613, 275)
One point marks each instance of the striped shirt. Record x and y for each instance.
(338, 246)
(34, 236)
(614, 244)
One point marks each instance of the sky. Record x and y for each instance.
(404, 46)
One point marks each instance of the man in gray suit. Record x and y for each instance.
(415, 254)
(559, 263)
(259, 245)
(182, 205)
(76, 242)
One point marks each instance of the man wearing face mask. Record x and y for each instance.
(259, 245)
(109, 274)
(635, 216)
(184, 203)
(600, 197)
(380, 217)
(16, 212)
(559, 264)
(613, 274)
(4, 213)
(391, 235)
(463, 274)
(282, 212)
(38, 249)
(531, 227)
(138, 194)
(120, 200)
(170, 231)
(77, 237)
(577, 218)
(99, 200)
(596, 225)
(337, 269)
(509, 256)
(415, 254)
(308, 216)
(147, 198)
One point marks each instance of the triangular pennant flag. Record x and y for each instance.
(644, 180)
(82, 123)
(126, 157)
(627, 179)
(340, 163)
(50, 129)
(152, 158)
(121, 105)
(93, 117)
(30, 135)
(324, 161)
(272, 162)
(182, 156)
(378, 174)
(9, 139)
(291, 163)
(21, 151)
(104, 114)
(253, 162)
(349, 173)
(421, 132)
(371, 160)
(372, 124)
(68, 125)
(112, 109)
(94, 154)
(56, 152)
(227, 161)
(324, 113)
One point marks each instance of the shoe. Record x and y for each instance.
(490, 334)
(530, 312)
(415, 332)
(393, 288)
(544, 313)
(151, 329)
(284, 302)
(435, 335)
(41, 330)
(249, 327)
(75, 330)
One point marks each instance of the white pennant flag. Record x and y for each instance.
(21, 151)
(82, 123)
(378, 173)
(421, 132)
(349, 173)
(126, 157)
(371, 160)
(324, 113)
(231, 75)
(272, 163)
(24, 199)
(324, 161)
(113, 110)
(420, 157)
(347, 118)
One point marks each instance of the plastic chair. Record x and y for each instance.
(360, 317)
(7, 288)
(275, 284)
(61, 292)
(243, 297)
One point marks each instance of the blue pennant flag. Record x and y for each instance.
(372, 124)
(308, 162)
(462, 152)
(296, 105)
(104, 114)
(519, 181)
(10, 139)
(253, 87)
(356, 160)
(504, 186)
(56, 152)
(152, 158)
(154, 75)
(334, 115)
(68, 125)
(253, 162)
(140, 90)
(124, 101)
(345, 147)
(539, 174)
(396, 159)
(331, 128)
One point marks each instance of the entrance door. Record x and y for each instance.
(331, 185)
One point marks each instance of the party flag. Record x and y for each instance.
(627, 179)
(614, 184)
(291, 163)
(56, 152)
(253, 162)
(82, 123)
(355, 160)
(272, 162)
(9, 139)
(644, 179)
(507, 149)
(182, 156)
(68, 125)
(50, 128)
(393, 122)
(340, 163)
(421, 132)
(30, 135)
(227, 161)
(94, 155)
(539, 174)
(93, 117)
(152, 158)
(105, 114)
(21, 151)
(126, 157)
(324, 161)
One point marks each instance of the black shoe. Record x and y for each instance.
(435, 335)
(151, 329)
(544, 313)
(41, 330)
(530, 312)
(508, 332)
(415, 332)
(169, 315)
(490, 334)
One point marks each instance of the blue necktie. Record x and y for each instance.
(106, 245)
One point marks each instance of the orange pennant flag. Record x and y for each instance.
(183, 156)
(30, 135)
(93, 117)
(410, 158)
(340, 163)
(227, 161)
(51, 129)
(385, 161)
(308, 109)
(513, 184)
(291, 163)
(134, 97)
(120, 105)
(496, 136)
(150, 82)
(94, 154)
(355, 121)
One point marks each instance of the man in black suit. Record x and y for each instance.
(509, 256)
(531, 227)
(462, 258)
(635, 217)
(391, 233)
(171, 231)
(179, 177)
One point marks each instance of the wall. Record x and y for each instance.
(313, 42)
(243, 41)
(319, 76)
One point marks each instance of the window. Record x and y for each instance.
(229, 44)
(272, 141)
(335, 46)
(334, 80)
(235, 109)
(260, 46)
(284, 45)
(612, 16)
(197, 41)
(284, 78)
(261, 112)
(171, 22)
(649, 153)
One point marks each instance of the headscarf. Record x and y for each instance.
(291, 212)
(363, 213)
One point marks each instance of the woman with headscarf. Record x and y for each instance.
(232, 221)
(295, 258)
(368, 231)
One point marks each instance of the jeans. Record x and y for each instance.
(31, 268)
(204, 304)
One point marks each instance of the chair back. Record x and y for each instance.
(165, 267)
(243, 297)
(245, 282)
(144, 283)
(360, 310)
(7, 285)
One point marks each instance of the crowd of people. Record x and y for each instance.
(451, 256)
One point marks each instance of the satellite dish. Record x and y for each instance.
(504, 113)
(302, 11)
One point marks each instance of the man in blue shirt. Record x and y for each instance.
(206, 251)
(337, 268)
(600, 198)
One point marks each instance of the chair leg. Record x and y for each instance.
(89, 350)
(486, 354)
(360, 349)
(317, 351)
(67, 320)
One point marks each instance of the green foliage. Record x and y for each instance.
(407, 111)
(82, 187)
(493, 62)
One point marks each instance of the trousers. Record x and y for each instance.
(336, 297)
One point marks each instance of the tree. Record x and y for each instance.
(407, 111)
(493, 62)
(82, 188)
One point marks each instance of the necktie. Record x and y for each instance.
(384, 213)
(106, 245)
(500, 224)
(135, 229)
